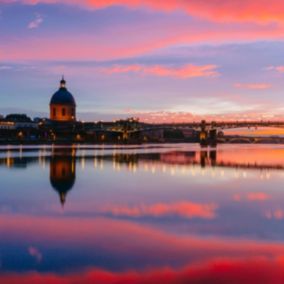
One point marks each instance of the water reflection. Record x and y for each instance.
(63, 160)
(63, 171)
(133, 212)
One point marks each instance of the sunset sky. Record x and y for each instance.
(160, 60)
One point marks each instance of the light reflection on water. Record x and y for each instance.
(90, 210)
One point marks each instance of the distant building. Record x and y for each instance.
(18, 121)
(18, 118)
(62, 105)
(5, 125)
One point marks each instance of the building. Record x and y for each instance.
(5, 125)
(62, 105)
(18, 121)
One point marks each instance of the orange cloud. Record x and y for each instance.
(253, 86)
(217, 10)
(187, 210)
(185, 72)
(245, 271)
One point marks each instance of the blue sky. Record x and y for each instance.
(172, 63)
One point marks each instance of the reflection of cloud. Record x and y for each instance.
(258, 196)
(253, 196)
(187, 210)
(277, 214)
(105, 233)
(256, 270)
(34, 252)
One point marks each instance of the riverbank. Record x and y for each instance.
(220, 140)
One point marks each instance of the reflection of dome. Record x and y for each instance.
(62, 175)
(62, 104)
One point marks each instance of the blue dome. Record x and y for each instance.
(62, 97)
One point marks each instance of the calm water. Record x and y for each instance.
(142, 214)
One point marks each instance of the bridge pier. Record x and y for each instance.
(203, 135)
(208, 137)
(213, 137)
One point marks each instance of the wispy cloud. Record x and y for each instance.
(253, 86)
(184, 72)
(5, 67)
(279, 69)
(34, 24)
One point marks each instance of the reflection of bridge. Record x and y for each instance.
(63, 162)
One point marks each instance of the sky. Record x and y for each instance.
(161, 61)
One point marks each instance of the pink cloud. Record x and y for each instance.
(279, 69)
(129, 44)
(217, 10)
(184, 72)
(253, 86)
(127, 40)
(180, 117)
(187, 210)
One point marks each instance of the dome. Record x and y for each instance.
(62, 96)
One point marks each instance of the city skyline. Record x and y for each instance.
(174, 61)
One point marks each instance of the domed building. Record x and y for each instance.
(63, 105)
